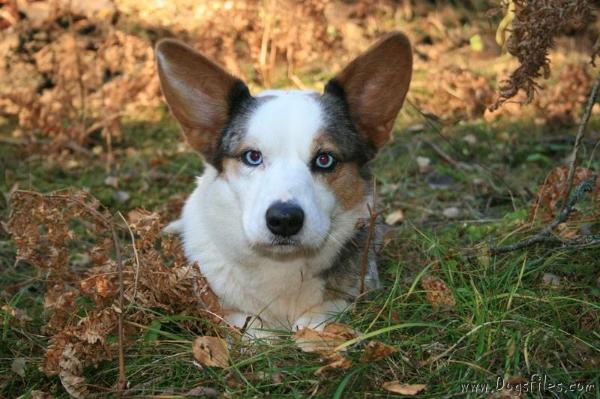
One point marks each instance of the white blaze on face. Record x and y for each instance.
(283, 129)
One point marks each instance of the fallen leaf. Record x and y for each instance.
(551, 279)
(424, 164)
(211, 352)
(335, 362)
(566, 231)
(325, 341)
(35, 394)
(16, 313)
(451, 212)
(121, 196)
(204, 392)
(551, 193)
(342, 330)
(403, 389)
(438, 293)
(112, 181)
(71, 371)
(18, 366)
(99, 285)
(313, 341)
(376, 350)
(470, 139)
(394, 218)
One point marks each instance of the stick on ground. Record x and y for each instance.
(545, 235)
(579, 138)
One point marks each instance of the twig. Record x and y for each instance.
(579, 138)
(448, 158)
(364, 261)
(137, 259)
(545, 235)
(122, 383)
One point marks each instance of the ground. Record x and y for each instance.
(529, 312)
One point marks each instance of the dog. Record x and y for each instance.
(277, 220)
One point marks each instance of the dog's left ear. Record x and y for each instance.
(374, 86)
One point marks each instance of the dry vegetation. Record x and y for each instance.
(77, 78)
(154, 272)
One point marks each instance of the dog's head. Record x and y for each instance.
(296, 161)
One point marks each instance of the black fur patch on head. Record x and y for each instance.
(340, 128)
(241, 104)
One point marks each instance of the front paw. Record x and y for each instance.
(251, 326)
(319, 316)
(312, 321)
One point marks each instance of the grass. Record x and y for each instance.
(506, 323)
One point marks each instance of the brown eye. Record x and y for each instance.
(252, 158)
(324, 161)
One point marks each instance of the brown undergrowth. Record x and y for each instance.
(81, 297)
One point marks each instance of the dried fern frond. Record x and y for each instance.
(156, 275)
(534, 28)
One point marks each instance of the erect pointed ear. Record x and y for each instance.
(374, 86)
(201, 95)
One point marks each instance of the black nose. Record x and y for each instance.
(284, 218)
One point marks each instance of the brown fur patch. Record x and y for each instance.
(347, 184)
(324, 143)
(231, 166)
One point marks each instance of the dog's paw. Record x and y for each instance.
(252, 326)
(318, 317)
(312, 321)
(175, 227)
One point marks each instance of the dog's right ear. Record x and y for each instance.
(200, 94)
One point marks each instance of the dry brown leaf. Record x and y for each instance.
(35, 394)
(71, 374)
(394, 218)
(340, 329)
(18, 366)
(403, 389)
(438, 293)
(211, 352)
(335, 361)
(376, 350)
(16, 313)
(325, 341)
(99, 287)
(551, 194)
(205, 392)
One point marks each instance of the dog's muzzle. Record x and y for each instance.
(284, 218)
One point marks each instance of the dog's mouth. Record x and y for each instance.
(282, 247)
(284, 242)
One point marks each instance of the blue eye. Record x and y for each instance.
(252, 158)
(324, 161)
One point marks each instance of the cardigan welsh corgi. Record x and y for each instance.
(276, 222)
